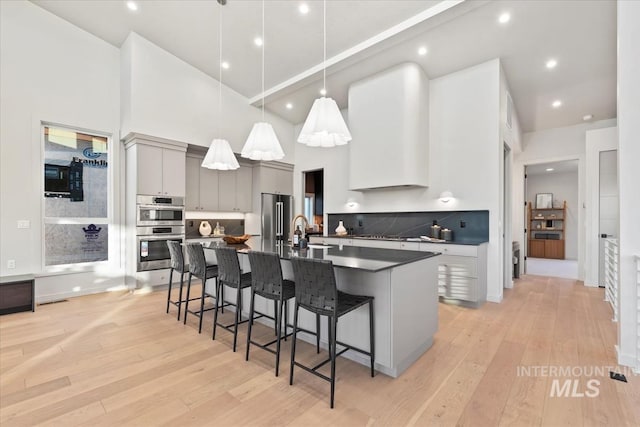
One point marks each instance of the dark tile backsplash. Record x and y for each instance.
(415, 224)
(233, 227)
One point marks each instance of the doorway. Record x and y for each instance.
(608, 204)
(551, 219)
(313, 206)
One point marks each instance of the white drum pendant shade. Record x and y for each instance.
(324, 126)
(220, 156)
(262, 144)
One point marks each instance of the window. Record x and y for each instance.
(309, 202)
(76, 184)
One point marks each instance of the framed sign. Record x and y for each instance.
(544, 201)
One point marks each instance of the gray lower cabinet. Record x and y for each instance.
(462, 269)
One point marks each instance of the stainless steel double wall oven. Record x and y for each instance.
(158, 220)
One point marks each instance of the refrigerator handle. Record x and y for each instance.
(279, 225)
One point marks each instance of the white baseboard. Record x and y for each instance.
(627, 360)
(41, 299)
(591, 285)
(494, 298)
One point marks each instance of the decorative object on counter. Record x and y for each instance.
(435, 230)
(303, 243)
(325, 126)
(217, 231)
(297, 235)
(340, 230)
(447, 235)
(205, 228)
(446, 196)
(431, 239)
(262, 143)
(544, 201)
(220, 156)
(236, 240)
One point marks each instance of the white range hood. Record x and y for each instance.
(389, 122)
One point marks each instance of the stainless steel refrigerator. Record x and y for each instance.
(277, 212)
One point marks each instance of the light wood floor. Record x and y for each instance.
(118, 359)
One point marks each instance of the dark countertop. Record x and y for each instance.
(463, 241)
(368, 259)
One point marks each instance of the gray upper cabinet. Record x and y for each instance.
(223, 191)
(276, 178)
(202, 186)
(160, 171)
(235, 189)
(192, 197)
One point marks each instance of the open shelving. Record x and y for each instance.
(546, 232)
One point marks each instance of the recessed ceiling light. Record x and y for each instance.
(323, 91)
(289, 106)
(225, 65)
(303, 8)
(258, 41)
(549, 169)
(504, 18)
(551, 64)
(587, 117)
(133, 6)
(422, 51)
(556, 104)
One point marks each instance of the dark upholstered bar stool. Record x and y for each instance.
(198, 267)
(316, 291)
(267, 282)
(177, 265)
(229, 274)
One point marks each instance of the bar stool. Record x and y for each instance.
(177, 265)
(229, 274)
(316, 292)
(267, 282)
(198, 267)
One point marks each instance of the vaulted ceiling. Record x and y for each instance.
(364, 37)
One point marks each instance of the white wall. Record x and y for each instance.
(629, 177)
(166, 97)
(50, 71)
(465, 152)
(566, 143)
(564, 187)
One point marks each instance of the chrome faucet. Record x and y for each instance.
(293, 225)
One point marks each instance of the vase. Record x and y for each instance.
(205, 228)
(340, 230)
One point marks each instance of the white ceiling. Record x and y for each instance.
(581, 35)
(565, 166)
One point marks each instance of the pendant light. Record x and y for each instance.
(324, 126)
(262, 143)
(220, 156)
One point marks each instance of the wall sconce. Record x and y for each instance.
(446, 196)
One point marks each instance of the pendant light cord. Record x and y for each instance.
(263, 46)
(220, 71)
(324, 37)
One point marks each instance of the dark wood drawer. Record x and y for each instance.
(16, 294)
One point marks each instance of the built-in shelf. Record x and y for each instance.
(546, 232)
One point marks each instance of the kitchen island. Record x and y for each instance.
(403, 283)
